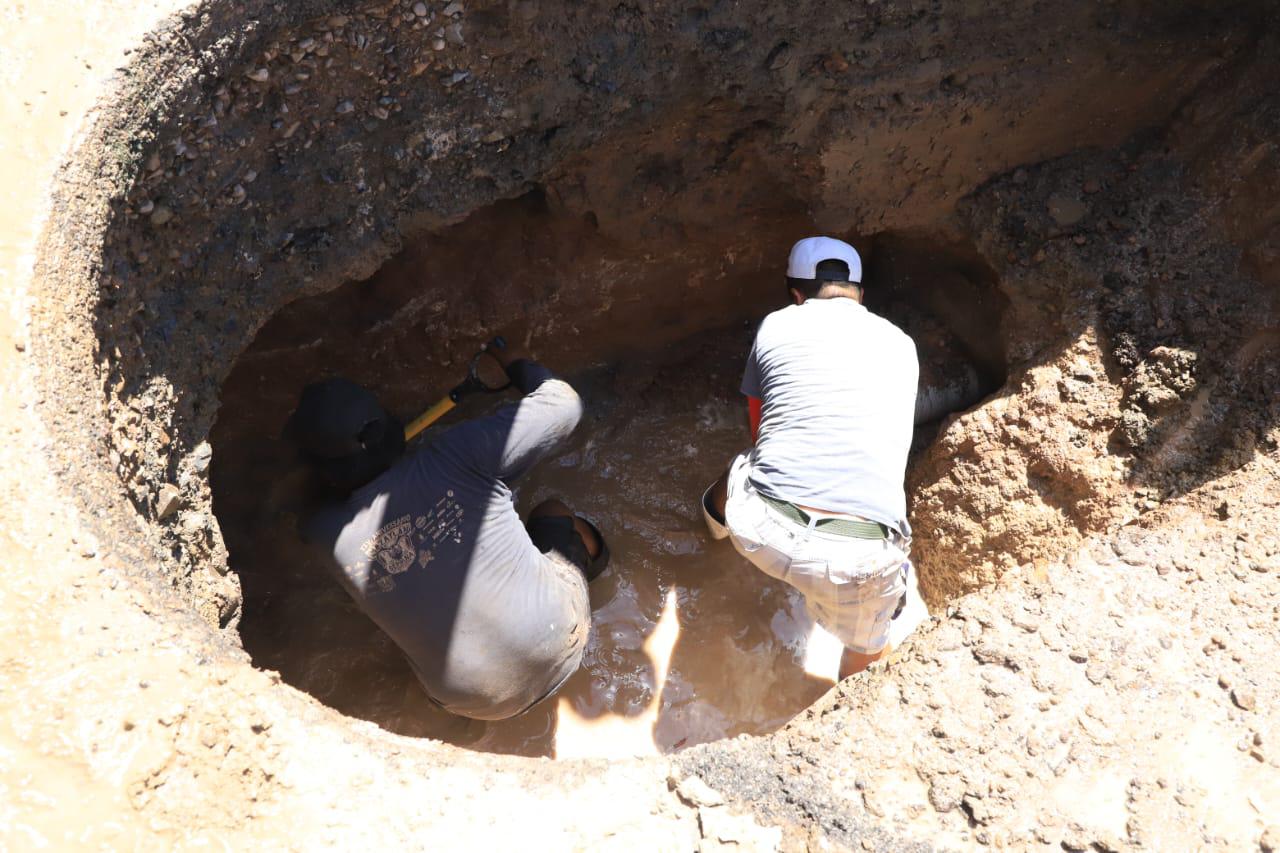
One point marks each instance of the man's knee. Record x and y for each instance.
(563, 401)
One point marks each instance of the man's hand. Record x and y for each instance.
(506, 355)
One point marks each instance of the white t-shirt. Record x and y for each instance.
(838, 387)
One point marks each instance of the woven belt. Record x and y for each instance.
(839, 526)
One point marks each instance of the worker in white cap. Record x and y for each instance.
(819, 502)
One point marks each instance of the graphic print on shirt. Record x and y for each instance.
(392, 546)
(398, 545)
(441, 523)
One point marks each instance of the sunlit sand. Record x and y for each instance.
(612, 736)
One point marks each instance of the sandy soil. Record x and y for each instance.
(1104, 529)
(49, 84)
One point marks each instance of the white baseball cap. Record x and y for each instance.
(809, 252)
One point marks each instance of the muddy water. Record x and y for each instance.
(689, 643)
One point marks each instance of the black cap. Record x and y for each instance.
(335, 418)
(343, 428)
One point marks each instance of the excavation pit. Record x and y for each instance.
(689, 643)
(660, 161)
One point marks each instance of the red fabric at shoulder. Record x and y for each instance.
(753, 417)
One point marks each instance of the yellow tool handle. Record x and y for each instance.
(427, 418)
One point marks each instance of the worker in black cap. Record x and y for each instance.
(492, 614)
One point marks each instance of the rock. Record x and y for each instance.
(1270, 840)
(1091, 186)
(946, 792)
(1076, 838)
(344, 107)
(1066, 211)
(420, 9)
(259, 75)
(780, 57)
(696, 792)
(168, 501)
(834, 63)
(453, 9)
(161, 215)
(453, 34)
(1244, 698)
(146, 206)
(978, 808)
(1027, 623)
(722, 830)
(1096, 672)
(194, 522)
(990, 653)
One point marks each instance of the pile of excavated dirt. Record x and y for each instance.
(1082, 197)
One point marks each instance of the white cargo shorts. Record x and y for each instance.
(851, 586)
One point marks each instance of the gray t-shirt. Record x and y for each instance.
(434, 552)
(838, 389)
